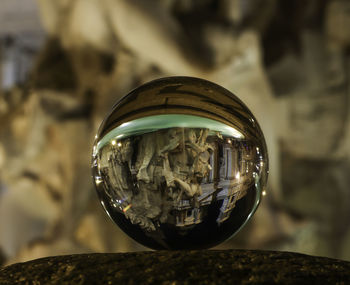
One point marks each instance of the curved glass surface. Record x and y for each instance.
(178, 176)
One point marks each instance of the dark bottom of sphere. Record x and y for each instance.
(206, 234)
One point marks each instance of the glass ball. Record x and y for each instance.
(180, 163)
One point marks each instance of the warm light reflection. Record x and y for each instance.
(238, 175)
(98, 180)
(113, 142)
(263, 193)
(127, 208)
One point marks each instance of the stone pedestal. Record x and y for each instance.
(180, 267)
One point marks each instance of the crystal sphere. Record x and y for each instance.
(180, 163)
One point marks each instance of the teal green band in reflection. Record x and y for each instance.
(154, 123)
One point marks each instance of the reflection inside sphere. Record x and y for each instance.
(178, 181)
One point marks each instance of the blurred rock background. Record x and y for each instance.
(64, 63)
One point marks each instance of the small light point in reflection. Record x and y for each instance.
(113, 142)
(127, 208)
(119, 144)
(263, 193)
(98, 180)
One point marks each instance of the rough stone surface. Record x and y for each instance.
(180, 267)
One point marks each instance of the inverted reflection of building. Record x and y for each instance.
(188, 216)
(106, 184)
(119, 174)
(229, 165)
(229, 159)
(226, 181)
(230, 186)
(224, 185)
(233, 195)
(231, 191)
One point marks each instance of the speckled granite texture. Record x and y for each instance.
(180, 267)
